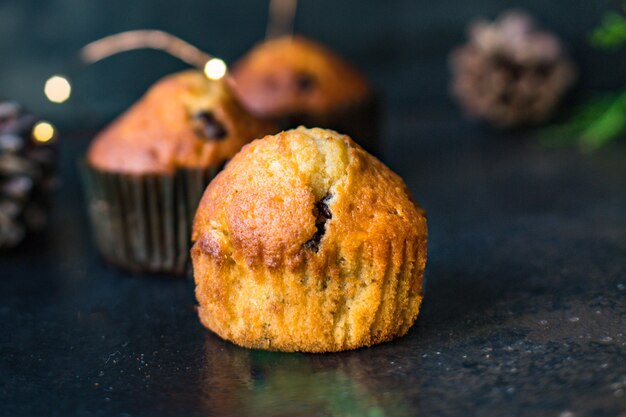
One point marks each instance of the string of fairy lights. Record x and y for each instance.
(58, 88)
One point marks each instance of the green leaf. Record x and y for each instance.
(602, 120)
(611, 33)
(592, 126)
(608, 126)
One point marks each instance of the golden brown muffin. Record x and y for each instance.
(184, 121)
(146, 172)
(305, 242)
(294, 81)
(294, 75)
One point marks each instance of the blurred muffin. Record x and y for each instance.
(184, 121)
(305, 242)
(296, 81)
(146, 172)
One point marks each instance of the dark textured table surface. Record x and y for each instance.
(524, 311)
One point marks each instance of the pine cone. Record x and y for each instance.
(27, 169)
(510, 72)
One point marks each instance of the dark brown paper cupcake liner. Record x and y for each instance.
(143, 222)
(360, 121)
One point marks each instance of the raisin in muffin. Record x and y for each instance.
(305, 242)
(296, 81)
(146, 172)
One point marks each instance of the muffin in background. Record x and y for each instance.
(145, 173)
(295, 81)
(305, 242)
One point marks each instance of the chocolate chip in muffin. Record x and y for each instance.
(304, 82)
(207, 126)
(322, 215)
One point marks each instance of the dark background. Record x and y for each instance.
(402, 45)
(524, 311)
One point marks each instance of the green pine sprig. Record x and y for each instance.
(592, 126)
(611, 34)
(601, 120)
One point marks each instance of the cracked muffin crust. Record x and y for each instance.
(184, 121)
(305, 242)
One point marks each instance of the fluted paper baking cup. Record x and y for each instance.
(143, 222)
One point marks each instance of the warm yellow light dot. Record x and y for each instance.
(215, 69)
(57, 89)
(43, 132)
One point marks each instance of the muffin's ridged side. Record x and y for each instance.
(360, 284)
(332, 309)
(142, 222)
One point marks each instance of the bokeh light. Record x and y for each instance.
(43, 132)
(58, 89)
(215, 69)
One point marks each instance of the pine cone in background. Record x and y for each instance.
(510, 72)
(27, 173)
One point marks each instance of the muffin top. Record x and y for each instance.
(304, 195)
(293, 75)
(184, 121)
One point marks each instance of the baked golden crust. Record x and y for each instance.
(293, 75)
(163, 131)
(305, 242)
